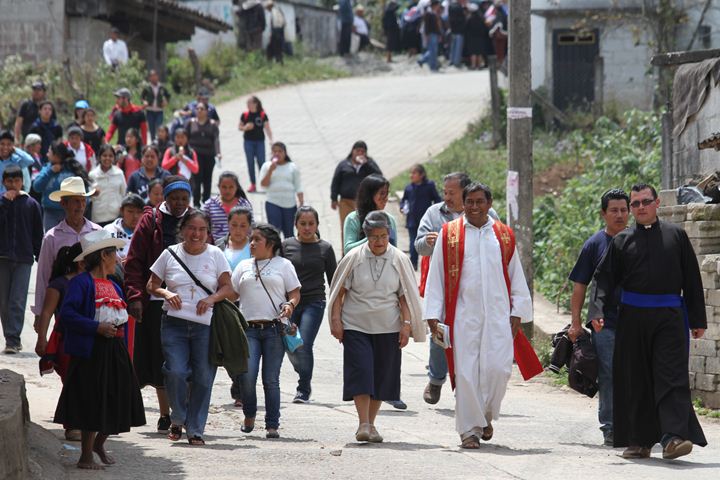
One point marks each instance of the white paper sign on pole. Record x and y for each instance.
(512, 192)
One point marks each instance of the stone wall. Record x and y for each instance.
(14, 417)
(33, 29)
(702, 224)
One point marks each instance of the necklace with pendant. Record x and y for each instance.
(376, 269)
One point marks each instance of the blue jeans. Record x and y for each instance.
(189, 375)
(154, 120)
(412, 233)
(308, 318)
(456, 49)
(431, 53)
(605, 347)
(254, 152)
(437, 364)
(266, 344)
(281, 218)
(14, 282)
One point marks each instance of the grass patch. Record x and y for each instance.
(559, 379)
(700, 409)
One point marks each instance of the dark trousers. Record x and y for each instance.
(345, 36)
(275, 47)
(281, 218)
(412, 233)
(154, 120)
(203, 179)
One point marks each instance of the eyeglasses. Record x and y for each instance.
(645, 202)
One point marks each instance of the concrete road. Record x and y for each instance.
(544, 432)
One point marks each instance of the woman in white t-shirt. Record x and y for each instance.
(281, 178)
(268, 288)
(185, 330)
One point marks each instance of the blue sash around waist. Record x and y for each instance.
(646, 300)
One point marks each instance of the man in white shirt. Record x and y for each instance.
(115, 50)
(360, 26)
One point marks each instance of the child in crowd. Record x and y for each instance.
(130, 160)
(155, 193)
(131, 209)
(162, 139)
(22, 233)
(419, 194)
(218, 208)
(109, 183)
(180, 159)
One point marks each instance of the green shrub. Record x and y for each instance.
(617, 155)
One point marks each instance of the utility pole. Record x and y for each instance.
(519, 134)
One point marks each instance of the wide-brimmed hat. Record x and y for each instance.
(71, 187)
(96, 241)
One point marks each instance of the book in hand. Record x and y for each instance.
(442, 335)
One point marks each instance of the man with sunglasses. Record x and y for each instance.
(614, 209)
(662, 302)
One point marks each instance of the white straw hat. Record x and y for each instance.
(71, 187)
(98, 240)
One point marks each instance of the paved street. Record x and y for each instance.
(544, 432)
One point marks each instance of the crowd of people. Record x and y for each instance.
(465, 32)
(125, 236)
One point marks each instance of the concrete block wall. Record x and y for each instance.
(702, 224)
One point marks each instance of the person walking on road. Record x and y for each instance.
(47, 127)
(109, 184)
(281, 178)
(181, 159)
(155, 97)
(21, 224)
(614, 209)
(314, 260)
(347, 177)
(477, 287)
(219, 207)
(268, 290)
(419, 195)
(375, 309)
(29, 110)
(154, 233)
(662, 304)
(185, 330)
(204, 139)
(372, 194)
(254, 123)
(100, 394)
(126, 116)
(150, 170)
(430, 226)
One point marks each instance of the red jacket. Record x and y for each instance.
(131, 109)
(89, 153)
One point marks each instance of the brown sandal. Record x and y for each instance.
(196, 441)
(471, 443)
(175, 433)
(487, 433)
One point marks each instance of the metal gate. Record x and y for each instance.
(574, 54)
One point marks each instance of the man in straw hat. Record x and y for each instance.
(73, 199)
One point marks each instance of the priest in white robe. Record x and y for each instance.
(477, 287)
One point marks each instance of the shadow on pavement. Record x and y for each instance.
(210, 445)
(503, 450)
(448, 412)
(669, 464)
(397, 413)
(395, 446)
(595, 446)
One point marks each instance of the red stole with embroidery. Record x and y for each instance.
(453, 243)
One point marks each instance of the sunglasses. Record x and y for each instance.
(646, 202)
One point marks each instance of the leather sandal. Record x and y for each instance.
(487, 433)
(175, 433)
(471, 443)
(196, 440)
(248, 428)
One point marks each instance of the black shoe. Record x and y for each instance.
(608, 439)
(164, 423)
(301, 397)
(399, 404)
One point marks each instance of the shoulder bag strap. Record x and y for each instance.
(259, 277)
(187, 270)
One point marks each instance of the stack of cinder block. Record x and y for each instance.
(702, 224)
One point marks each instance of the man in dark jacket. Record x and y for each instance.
(252, 18)
(21, 233)
(347, 177)
(457, 20)
(155, 98)
(125, 117)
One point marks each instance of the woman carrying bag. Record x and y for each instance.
(185, 330)
(268, 289)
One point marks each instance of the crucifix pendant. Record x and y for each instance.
(192, 293)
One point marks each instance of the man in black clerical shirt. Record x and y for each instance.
(654, 264)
